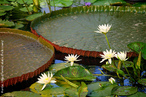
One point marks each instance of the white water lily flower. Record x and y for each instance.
(112, 80)
(103, 28)
(71, 58)
(121, 56)
(44, 79)
(107, 55)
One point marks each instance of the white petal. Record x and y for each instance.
(72, 63)
(52, 81)
(102, 60)
(43, 87)
(110, 61)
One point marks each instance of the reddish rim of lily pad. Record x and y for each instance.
(86, 53)
(38, 70)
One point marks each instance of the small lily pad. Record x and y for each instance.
(109, 67)
(21, 94)
(91, 1)
(61, 3)
(96, 91)
(142, 81)
(6, 7)
(138, 94)
(4, 2)
(55, 67)
(75, 73)
(107, 2)
(6, 23)
(24, 9)
(25, 1)
(124, 90)
(137, 47)
(49, 90)
(2, 13)
(33, 16)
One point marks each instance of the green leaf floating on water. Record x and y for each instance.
(21, 94)
(96, 91)
(6, 7)
(33, 16)
(24, 9)
(91, 1)
(75, 73)
(78, 92)
(83, 90)
(25, 1)
(6, 23)
(4, 2)
(2, 13)
(61, 3)
(61, 89)
(107, 2)
(49, 90)
(137, 47)
(142, 81)
(55, 67)
(124, 90)
(138, 94)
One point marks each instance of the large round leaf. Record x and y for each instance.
(26, 55)
(124, 90)
(21, 94)
(75, 73)
(72, 30)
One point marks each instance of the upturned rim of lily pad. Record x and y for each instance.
(38, 70)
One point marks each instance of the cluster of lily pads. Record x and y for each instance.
(73, 80)
(18, 14)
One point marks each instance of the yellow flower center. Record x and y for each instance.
(109, 56)
(47, 80)
(72, 59)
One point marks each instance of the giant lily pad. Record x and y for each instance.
(75, 73)
(72, 30)
(24, 55)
